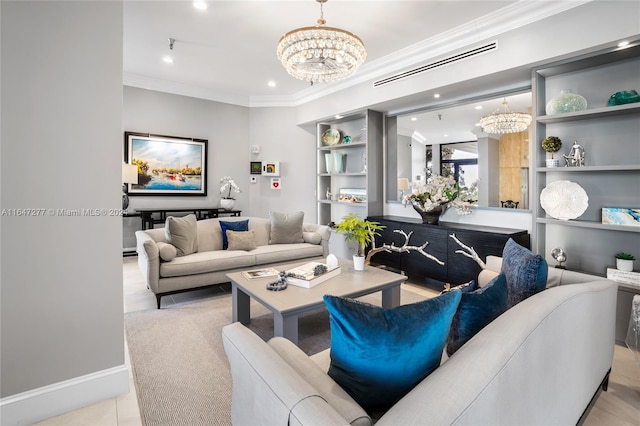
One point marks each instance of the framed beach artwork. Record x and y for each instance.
(167, 165)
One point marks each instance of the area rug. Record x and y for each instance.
(179, 365)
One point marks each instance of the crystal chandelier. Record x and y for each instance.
(321, 53)
(505, 121)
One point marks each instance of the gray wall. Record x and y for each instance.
(225, 126)
(231, 131)
(61, 277)
(275, 131)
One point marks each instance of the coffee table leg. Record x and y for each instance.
(240, 305)
(286, 326)
(391, 297)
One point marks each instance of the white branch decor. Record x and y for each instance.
(405, 248)
(468, 252)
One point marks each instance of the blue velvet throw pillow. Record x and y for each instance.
(525, 271)
(476, 310)
(240, 225)
(378, 355)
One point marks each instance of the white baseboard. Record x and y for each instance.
(59, 398)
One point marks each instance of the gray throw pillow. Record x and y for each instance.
(182, 233)
(167, 251)
(286, 228)
(240, 240)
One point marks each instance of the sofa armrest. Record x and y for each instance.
(148, 259)
(265, 389)
(323, 231)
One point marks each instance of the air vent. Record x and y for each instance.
(442, 62)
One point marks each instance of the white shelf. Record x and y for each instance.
(610, 168)
(340, 146)
(589, 114)
(588, 224)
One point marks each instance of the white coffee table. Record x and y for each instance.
(288, 304)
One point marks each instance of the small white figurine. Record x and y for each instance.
(575, 158)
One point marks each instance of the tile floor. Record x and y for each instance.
(620, 406)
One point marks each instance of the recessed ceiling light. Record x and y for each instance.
(478, 107)
(168, 59)
(623, 44)
(477, 124)
(338, 116)
(271, 83)
(200, 4)
(445, 135)
(414, 119)
(437, 95)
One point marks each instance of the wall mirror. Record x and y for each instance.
(449, 140)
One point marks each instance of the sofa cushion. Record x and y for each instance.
(525, 271)
(477, 309)
(240, 225)
(321, 382)
(182, 233)
(240, 240)
(378, 355)
(168, 252)
(285, 252)
(286, 228)
(207, 261)
(311, 237)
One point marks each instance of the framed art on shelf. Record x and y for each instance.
(167, 165)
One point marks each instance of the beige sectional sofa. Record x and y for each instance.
(540, 362)
(210, 263)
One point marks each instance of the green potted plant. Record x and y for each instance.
(552, 144)
(359, 231)
(624, 261)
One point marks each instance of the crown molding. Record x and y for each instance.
(511, 17)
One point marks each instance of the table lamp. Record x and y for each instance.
(403, 185)
(129, 175)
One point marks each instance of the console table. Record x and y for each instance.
(457, 268)
(148, 220)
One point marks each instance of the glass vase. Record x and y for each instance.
(338, 162)
(567, 101)
(328, 159)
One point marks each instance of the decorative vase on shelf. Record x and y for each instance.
(338, 162)
(567, 101)
(624, 265)
(227, 203)
(328, 159)
(431, 217)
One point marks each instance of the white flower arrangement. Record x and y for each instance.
(228, 185)
(440, 193)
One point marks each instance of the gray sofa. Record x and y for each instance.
(540, 362)
(210, 264)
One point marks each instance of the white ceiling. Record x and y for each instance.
(228, 52)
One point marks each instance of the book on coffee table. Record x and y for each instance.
(305, 277)
(260, 273)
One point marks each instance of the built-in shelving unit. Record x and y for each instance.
(362, 167)
(610, 136)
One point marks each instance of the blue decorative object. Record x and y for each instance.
(525, 271)
(240, 225)
(624, 97)
(378, 355)
(476, 310)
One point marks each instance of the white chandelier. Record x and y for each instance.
(505, 121)
(321, 53)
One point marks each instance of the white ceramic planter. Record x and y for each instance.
(624, 265)
(358, 263)
(553, 163)
(227, 203)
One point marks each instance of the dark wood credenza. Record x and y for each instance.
(457, 268)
